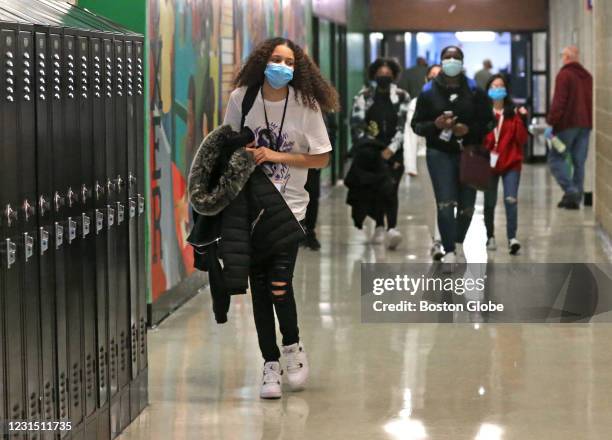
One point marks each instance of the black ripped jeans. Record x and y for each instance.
(272, 290)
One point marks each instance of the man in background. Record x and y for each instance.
(571, 119)
(413, 79)
(483, 75)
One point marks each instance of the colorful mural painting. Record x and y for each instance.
(195, 49)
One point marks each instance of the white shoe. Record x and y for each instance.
(297, 365)
(459, 254)
(379, 235)
(437, 251)
(271, 383)
(394, 238)
(448, 262)
(491, 244)
(514, 246)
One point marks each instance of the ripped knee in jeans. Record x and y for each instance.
(447, 204)
(467, 212)
(279, 290)
(511, 200)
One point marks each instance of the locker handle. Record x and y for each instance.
(59, 201)
(11, 215)
(43, 205)
(28, 242)
(132, 180)
(44, 240)
(99, 191)
(110, 185)
(85, 193)
(59, 235)
(28, 210)
(71, 196)
(85, 225)
(120, 184)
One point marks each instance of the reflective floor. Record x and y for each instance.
(392, 381)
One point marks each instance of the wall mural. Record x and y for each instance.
(195, 48)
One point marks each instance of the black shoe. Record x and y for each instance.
(569, 201)
(311, 241)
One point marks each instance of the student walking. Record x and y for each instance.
(290, 137)
(506, 144)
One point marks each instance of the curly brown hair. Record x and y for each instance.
(307, 80)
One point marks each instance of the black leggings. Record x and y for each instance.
(390, 211)
(272, 289)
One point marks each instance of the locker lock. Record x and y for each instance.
(10, 214)
(59, 201)
(120, 213)
(44, 240)
(11, 252)
(43, 205)
(85, 225)
(72, 230)
(141, 204)
(28, 210)
(59, 235)
(28, 242)
(132, 208)
(120, 184)
(99, 221)
(111, 216)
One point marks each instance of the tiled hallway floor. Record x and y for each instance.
(392, 381)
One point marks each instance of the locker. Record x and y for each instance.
(122, 223)
(11, 262)
(72, 168)
(99, 216)
(26, 171)
(57, 90)
(86, 236)
(44, 176)
(132, 194)
(141, 190)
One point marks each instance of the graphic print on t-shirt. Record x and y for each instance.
(278, 173)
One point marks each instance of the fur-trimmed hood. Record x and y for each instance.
(208, 193)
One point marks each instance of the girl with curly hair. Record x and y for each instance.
(290, 137)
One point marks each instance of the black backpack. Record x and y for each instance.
(247, 102)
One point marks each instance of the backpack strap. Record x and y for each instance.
(247, 102)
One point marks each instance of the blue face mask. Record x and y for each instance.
(452, 67)
(497, 93)
(278, 75)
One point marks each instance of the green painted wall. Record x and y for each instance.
(129, 13)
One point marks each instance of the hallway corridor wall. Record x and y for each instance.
(195, 48)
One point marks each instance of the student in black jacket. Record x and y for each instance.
(290, 137)
(452, 111)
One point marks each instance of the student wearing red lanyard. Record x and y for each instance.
(506, 143)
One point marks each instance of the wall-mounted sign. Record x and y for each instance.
(333, 10)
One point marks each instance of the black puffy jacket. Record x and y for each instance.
(240, 217)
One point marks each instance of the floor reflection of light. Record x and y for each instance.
(476, 326)
(489, 431)
(481, 391)
(324, 308)
(406, 429)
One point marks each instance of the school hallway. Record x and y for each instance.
(392, 381)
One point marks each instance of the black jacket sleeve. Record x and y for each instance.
(484, 120)
(422, 122)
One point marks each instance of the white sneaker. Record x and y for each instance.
(394, 238)
(459, 254)
(514, 246)
(491, 244)
(297, 365)
(271, 383)
(379, 235)
(448, 262)
(437, 251)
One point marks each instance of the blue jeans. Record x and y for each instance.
(511, 185)
(577, 143)
(450, 194)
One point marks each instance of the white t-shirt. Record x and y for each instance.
(303, 132)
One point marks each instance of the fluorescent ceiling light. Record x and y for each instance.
(377, 36)
(475, 37)
(424, 38)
